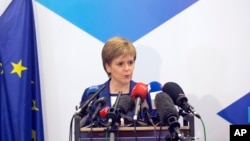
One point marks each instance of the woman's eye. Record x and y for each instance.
(120, 64)
(131, 62)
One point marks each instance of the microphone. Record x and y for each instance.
(83, 106)
(103, 112)
(100, 103)
(145, 109)
(139, 93)
(111, 115)
(124, 105)
(86, 103)
(88, 110)
(179, 98)
(154, 87)
(84, 120)
(90, 92)
(168, 113)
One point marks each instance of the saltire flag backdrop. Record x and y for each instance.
(238, 112)
(130, 19)
(20, 98)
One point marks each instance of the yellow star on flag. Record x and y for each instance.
(34, 107)
(33, 135)
(18, 68)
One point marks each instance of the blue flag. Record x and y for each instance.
(20, 97)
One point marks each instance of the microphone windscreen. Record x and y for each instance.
(92, 90)
(125, 104)
(139, 90)
(154, 86)
(165, 107)
(174, 90)
(103, 112)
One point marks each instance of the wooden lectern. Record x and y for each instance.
(145, 133)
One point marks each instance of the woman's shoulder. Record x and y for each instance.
(90, 90)
(94, 88)
(133, 83)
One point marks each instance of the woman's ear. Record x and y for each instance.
(107, 67)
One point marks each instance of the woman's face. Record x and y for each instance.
(121, 69)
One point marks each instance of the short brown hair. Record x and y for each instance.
(116, 47)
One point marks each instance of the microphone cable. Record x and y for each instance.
(70, 129)
(107, 136)
(204, 129)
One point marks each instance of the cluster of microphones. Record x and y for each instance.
(164, 100)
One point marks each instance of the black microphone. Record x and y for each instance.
(111, 115)
(86, 112)
(99, 104)
(145, 110)
(84, 119)
(124, 105)
(179, 98)
(83, 106)
(168, 113)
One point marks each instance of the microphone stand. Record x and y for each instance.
(188, 120)
(112, 130)
(172, 136)
(112, 126)
(77, 119)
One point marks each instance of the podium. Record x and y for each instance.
(129, 133)
(142, 133)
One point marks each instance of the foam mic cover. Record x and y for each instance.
(139, 90)
(154, 87)
(125, 104)
(168, 113)
(92, 89)
(103, 112)
(92, 94)
(177, 94)
(139, 93)
(165, 107)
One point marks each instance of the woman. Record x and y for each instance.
(118, 59)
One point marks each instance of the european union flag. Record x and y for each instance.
(20, 99)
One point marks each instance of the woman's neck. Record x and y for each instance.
(117, 87)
